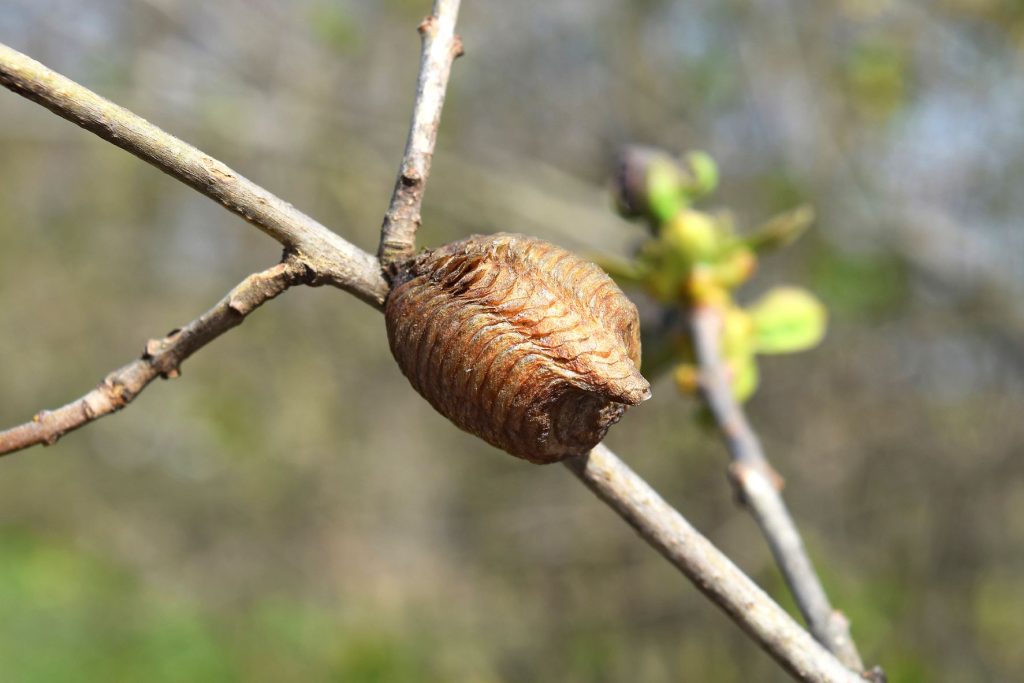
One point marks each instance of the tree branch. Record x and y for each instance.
(318, 256)
(441, 46)
(758, 485)
(334, 260)
(707, 568)
(161, 358)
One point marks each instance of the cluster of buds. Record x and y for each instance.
(694, 258)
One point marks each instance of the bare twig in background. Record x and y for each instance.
(709, 570)
(333, 260)
(161, 358)
(441, 46)
(758, 488)
(325, 258)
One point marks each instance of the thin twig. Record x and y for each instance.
(758, 488)
(707, 568)
(161, 358)
(441, 46)
(326, 258)
(334, 260)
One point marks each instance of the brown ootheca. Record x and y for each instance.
(518, 341)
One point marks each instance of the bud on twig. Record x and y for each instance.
(645, 184)
(649, 183)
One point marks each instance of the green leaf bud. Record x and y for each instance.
(703, 174)
(788, 319)
(693, 234)
(646, 184)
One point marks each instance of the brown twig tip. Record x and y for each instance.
(160, 358)
(440, 46)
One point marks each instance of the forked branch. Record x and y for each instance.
(161, 358)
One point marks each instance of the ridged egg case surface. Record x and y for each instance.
(518, 341)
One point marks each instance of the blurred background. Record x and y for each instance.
(262, 518)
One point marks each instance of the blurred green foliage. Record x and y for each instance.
(877, 74)
(335, 26)
(98, 624)
(861, 286)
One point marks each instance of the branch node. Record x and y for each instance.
(428, 26)
(410, 177)
(153, 348)
(876, 675)
(118, 395)
(736, 477)
(217, 169)
(741, 471)
(839, 619)
(237, 305)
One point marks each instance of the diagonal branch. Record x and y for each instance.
(334, 260)
(441, 46)
(161, 358)
(758, 488)
(707, 568)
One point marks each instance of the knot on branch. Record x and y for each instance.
(51, 438)
(410, 177)
(875, 675)
(114, 394)
(428, 26)
(746, 476)
(156, 355)
(40, 420)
